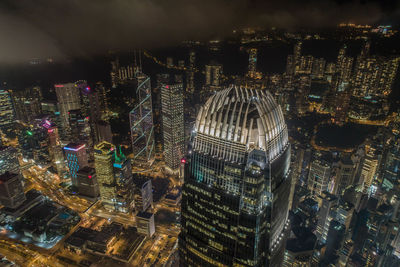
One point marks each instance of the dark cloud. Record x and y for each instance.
(78, 27)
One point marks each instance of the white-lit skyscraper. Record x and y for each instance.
(141, 122)
(237, 183)
(173, 124)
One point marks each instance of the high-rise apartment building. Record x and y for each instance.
(103, 160)
(237, 183)
(173, 124)
(75, 154)
(141, 122)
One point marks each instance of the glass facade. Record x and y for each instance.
(236, 191)
(141, 121)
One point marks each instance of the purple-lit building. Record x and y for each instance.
(76, 156)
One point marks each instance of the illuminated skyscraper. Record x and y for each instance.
(328, 201)
(7, 112)
(319, 177)
(252, 69)
(55, 151)
(190, 73)
(75, 154)
(213, 74)
(124, 183)
(237, 183)
(141, 122)
(172, 124)
(369, 169)
(103, 161)
(68, 99)
(27, 103)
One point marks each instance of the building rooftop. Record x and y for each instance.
(7, 176)
(87, 171)
(145, 215)
(246, 116)
(74, 146)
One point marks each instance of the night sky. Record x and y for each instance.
(61, 29)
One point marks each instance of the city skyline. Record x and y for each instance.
(246, 134)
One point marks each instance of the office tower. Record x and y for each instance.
(91, 110)
(34, 144)
(124, 183)
(55, 151)
(79, 127)
(87, 182)
(145, 223)
(344, 175)
(173, 124)
(334, 242)
(252, 68)
(237, 183)
(190, 73)
(391, 173)
(345, 253)
(344, 213)
(213, 74)
(319, 176)
(103, 161)
(141, 122)
(11, 190)
(328, 202)
(144, 198)
(104, 131)
(27, 103)
(68, 98)
(75, 154)
(103, 102)
(369, 169)
(7, 111)
(8, 160)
